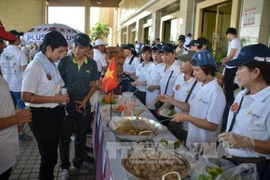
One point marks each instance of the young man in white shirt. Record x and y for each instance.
(13, 63)
(230, 71)
(99, 48)
(180, 49)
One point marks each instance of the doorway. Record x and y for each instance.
(216, 20)
(167, 31)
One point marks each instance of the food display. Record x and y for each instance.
(108, 99)
(152, 164)
(171, 144)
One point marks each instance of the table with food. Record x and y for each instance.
(130, 146)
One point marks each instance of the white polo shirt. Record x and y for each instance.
(9, 140)
(153, 79)
(252, 120)
(181, 90)
(12, 59)
(131, 68)
(141, 72)
(165, 74)
(234, 44)
(35, 81)
(208, 103)
(100, 59)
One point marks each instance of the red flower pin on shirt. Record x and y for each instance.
(49, 77)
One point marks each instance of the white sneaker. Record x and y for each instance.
(65, 174)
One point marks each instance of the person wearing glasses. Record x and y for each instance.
(248, 127)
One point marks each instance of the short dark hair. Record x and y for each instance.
(146, 49)
(231, 31)
(203, 40)
(54, 39)
(209, 69)
(263, 67)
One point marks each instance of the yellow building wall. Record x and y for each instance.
(22, 15)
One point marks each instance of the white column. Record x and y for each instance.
(87, 4)
(156, 18)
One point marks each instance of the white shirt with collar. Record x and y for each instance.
(234, 44)
(36, 81)
(181, 90)
(131, 68)
(12, 60)
(252, 120)
(141, 72)
(165, 74)
(100, 59)
(153, 79)
(207, 103)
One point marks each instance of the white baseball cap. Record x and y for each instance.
(99, 42)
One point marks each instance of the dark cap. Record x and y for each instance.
(82, 39)
(129, 46)
(157, 47)
(231, 30)
(203, 57)
(203, 40)
(182, 38)
(186, 57)
(6, 35)
(194, 43)
(167, 48)
(16, 33)
(256, 52)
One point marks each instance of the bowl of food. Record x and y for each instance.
(124, 128)
(167, 112)
(154, 163)
(127, 94)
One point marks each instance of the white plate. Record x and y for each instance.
(165, 113)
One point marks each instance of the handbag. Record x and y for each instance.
(158, 104)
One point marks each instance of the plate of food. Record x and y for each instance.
(167, 112)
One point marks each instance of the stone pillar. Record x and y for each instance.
(128, 34)
(87, 4)
(187, 16)
(139, 30)
(156, 19)
(258, 30)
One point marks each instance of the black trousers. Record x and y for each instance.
(81, 124)
(5, 175)
(141, 96)
(229, 85)
(45, 126)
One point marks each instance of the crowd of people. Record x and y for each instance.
(182, 78)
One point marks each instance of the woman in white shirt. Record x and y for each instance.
(142, 72)
(41, 89)
(129, 68)
(153, 78)
(169, 71)
(183, 89)
(206, 105)
(248, 126)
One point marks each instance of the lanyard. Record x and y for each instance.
(235, 114)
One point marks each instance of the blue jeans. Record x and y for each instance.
(17, 100)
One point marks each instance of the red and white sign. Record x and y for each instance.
(249, 16)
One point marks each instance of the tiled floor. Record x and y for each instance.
(28, 161)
